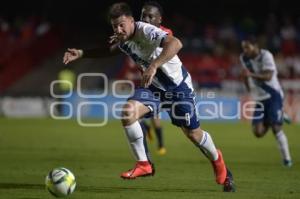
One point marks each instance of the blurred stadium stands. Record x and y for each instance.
(34, 35)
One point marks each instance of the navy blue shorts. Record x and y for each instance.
(269, 111)
(179, 103)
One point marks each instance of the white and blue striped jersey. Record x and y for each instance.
(264, 61)
(144, 46)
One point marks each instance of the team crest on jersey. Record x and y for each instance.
(154, 36)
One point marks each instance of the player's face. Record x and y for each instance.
(151, 14)
(248, 49)
(123, 27)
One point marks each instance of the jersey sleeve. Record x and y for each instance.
(153, 34)
(169, 31)
(268, 61)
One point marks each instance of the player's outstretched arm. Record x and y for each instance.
(101, 52)
(244, 77)
(265, 75)
(72, 54)
(246, 83)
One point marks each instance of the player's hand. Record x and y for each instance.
(148, 75)
(72, 54)
(113, 39)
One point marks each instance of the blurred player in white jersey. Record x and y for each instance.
(165, 83)
(260, 71)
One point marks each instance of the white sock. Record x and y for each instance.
(135, 136)
(283, 145)
(208, 147)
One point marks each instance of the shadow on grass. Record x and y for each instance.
(145, 189)
(104, 189)
(21, 186)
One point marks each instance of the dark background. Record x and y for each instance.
(211, 32)
(92, 12)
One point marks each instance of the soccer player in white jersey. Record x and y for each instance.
(165, 82)
(261, 76)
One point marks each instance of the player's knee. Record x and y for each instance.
(128, 114)
(276, 128)
(194, 135)
(259, 132)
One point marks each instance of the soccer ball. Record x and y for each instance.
(60, 182)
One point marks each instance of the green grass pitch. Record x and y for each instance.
(30, 148)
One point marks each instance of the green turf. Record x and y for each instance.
(32, 147)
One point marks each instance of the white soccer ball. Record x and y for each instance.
(60, 182)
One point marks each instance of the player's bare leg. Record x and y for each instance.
(260, 129)
(132, 112)
(203, 140)
(147, 129)
(159, 135)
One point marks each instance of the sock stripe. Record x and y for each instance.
(208, 147)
